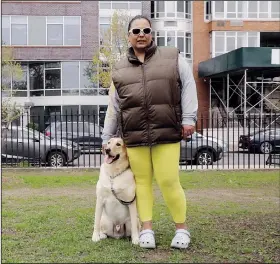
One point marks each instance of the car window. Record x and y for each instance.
(67, 127)
(83, 127)
(54, 127)
(8, 133)
(95, 129)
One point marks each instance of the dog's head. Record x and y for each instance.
(115, 150)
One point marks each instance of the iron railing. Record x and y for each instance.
(74, 140)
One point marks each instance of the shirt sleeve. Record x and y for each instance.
(111, 118)
(189, 102)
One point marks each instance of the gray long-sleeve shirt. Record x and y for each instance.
(189, 102)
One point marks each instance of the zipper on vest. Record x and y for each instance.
(146, 104)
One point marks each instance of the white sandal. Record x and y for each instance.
(181, 239)
(147, 239)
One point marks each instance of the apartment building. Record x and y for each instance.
(226, 26)
(55, 42)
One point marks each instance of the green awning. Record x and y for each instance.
(256, 59)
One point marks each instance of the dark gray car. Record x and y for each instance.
(201, 150)
(27, 144)
(87, 135)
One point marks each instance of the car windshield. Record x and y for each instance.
(35, 134)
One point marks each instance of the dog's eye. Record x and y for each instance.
(118, 144)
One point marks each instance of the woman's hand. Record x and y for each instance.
(187, 130)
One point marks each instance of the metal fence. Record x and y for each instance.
(74, 140)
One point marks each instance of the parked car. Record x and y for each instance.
(263, 141)
(22, 144)
(201, 150)
(86, 135)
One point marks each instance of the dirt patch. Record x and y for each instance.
(11, 180)
(51, 192)
(8, 232)
(229, 195)
(197, 195)
(156, 255)
(233, 195)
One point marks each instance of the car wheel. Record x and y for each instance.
(56, 159)
(204, 157)
(266, 148)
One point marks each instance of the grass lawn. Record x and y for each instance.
(47, 216)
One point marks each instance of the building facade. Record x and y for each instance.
(55, 42)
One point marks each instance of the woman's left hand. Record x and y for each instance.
(187, 130)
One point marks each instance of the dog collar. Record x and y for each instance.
(112, 177)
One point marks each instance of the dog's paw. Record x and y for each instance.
(95, 237)
(102, 236)
(135, 240)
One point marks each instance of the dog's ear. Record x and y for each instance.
(124, 149)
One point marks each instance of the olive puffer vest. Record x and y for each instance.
(150, 97)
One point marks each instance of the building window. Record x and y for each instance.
(36, 79)
(6, 81)
(207, 10)
(55, 30)
(19, 30)
(120, 5)
(104, 26)
(219, 9)
(264, 12)
(226, 41)
(86, 79)
(6, 24)
(19, 84)
(250, 10)
(52, 78)
(70, 113)
(171, 9)
(41, 30)
(179, 39)
(72, 31)
(70, 78)
(275, 9)
(88, 115)
(36, 30)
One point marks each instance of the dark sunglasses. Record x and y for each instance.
(137, 31)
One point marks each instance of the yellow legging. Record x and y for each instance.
(162, 162)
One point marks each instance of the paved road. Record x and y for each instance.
(240, 160)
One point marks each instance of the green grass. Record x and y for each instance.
(47, 216)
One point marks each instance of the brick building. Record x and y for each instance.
(55, 42)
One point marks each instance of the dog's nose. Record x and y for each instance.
(107, 151)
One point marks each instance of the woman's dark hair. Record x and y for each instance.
(138, 17)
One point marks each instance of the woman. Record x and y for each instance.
(153, 104)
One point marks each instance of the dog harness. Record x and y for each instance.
(114, 193)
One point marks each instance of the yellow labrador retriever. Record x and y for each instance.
(115, 211)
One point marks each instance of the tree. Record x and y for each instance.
(113, 45)
(10, 68)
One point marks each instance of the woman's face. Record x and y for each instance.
(137, 38)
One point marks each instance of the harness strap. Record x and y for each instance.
(121, 201)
